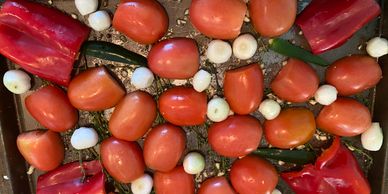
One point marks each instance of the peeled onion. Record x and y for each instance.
(201, 80)
(270, 109)
(142, 185)
(99, 20)
(218, 109)
(276, 191)
(17, 81)
(84, 138)
(219, 51)
(194, 163)
(244, 47)
(372, 138)
(326, 94)
(377, 47)
(86, 7)
(142, 77)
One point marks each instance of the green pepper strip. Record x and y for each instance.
(291, 156)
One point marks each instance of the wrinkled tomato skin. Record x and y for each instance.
(174, 58)
(266, 17)
(219, 19)
(43, 150)
(344, 117)
(174, 181)
(243, 88)
(163, 147)
(297, 81)
(133, 116)
(183, 106)
(354, 74)
(216, 185)
(293, 127)
(52, 109)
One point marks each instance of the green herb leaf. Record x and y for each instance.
(291, 156)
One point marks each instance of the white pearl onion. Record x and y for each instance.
(326, 94)
(17, 81)
(201, 80)
(99, 20)
(142, 78)
(86, 7)
(217, 109)
(276, 191)
(194, 163)
(219, 51)
(372, 139)
(270, 109)
(245, 46)
(377, 47)
(142, 185)
(84, 138)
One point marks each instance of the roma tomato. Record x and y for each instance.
(163, 147)
(354, 74)
(175, 181)
(183, 106)
(144, 21)
(293, 127)
(221, 19)
(174, 58)
(243, 88)
(344, 117)
(52, 109)
(94, 90)
(216, 185)
(252, 175)
(122, 159)
(133, 116)
(43, 150)
(297, 81)
(272, 17)
(236, 136)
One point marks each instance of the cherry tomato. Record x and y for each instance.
(243, 88)
(293, 127)
(221, 19)
(133, 116)
(144, 21)
(175, 58)
(163, 147)
(236, 136)
(354, 74)
(95, 90)
(272, 17)
(216, 185)
(44, 150)
(252, 175)
(183, 106)
(297, 81)
(175, 181)
(345, 117)
(122, 159)
(51, 108)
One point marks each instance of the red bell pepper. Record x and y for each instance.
(336, 171)
(327, 24)
(42, 40)
(67, 179)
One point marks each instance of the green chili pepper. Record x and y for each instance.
(291, 156)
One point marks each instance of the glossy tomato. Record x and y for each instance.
(293, 127)
(183, 106)
(163, 147)
(175, 58)
(51, 108)
(122, 159)
(43, 150)
(221, 19)
(133, 116)
(94, 90)
(252, 175)
(354, 74)
(144, 21)
(216, 185)
(236, 136)
(344, 117)
(297, 81)
(272, 17)
(243, 88)
(174, 181)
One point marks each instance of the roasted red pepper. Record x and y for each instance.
(42, 40)
(328, 24)
(70, 179)
(336, 171)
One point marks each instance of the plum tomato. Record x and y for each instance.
(216, 185)
(174, 181)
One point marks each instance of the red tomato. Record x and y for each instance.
(43, 150)
(293, 127)
(216, 185)
(144, 21)
(183, 106)
(175, 58)
(221, 19)
(354, 74)
(122, 159)
(344, 117)
(272, 17)
(133, 116)
(236, 136)
(51, 108)
(174, 182)
(163, 147)
(297, 81)
(252, 175)
(95, 90)
(243, 88)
